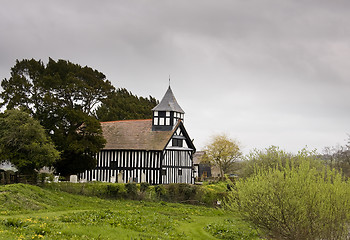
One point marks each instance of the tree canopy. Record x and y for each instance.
(24, 142)
(274, 157)
(338, 157)
(122, 105)
(62, 96)
(222, 152)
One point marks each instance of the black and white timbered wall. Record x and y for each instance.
(154, 167)
(177, 162)
(131, 166)
(177, 167)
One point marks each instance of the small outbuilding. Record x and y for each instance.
(8, 173)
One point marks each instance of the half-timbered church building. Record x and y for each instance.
(157, 150)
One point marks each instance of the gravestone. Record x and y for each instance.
(143, 177)
(112, 179)
(120, 177)
(73, 178)
(55, 179)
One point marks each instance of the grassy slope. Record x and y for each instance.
(26, 198)
(30, 212)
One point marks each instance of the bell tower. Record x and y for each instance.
(167, 113)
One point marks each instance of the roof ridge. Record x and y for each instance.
(127, 120)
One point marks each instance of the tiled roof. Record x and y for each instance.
(168, 103)
(134, 135)
(197, 157)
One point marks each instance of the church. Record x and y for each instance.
(157, 150)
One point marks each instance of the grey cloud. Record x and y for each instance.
(263, 71)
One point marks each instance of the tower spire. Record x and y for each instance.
(167, 113)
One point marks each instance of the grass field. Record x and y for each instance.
(30, 212)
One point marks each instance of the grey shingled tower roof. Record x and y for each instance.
(168, 103)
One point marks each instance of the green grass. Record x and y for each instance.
(30, 212)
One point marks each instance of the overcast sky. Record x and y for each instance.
(265, 72)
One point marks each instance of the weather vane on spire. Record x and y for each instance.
(169, 80)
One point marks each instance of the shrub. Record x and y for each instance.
(294, 202)
(178, 192)
(211, 193)
(172, 192)
(187, 191)
(195, 194)
(44, 177)
(131, 190)
(144, 186)
(115, 190)
(160, 191)
(98, 189)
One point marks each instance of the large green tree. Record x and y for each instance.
(122, 105)
(62, 96)
(24, 142)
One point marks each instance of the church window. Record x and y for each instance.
(161, 121)
(163, 171)
(177, 142)
(114, 165)
(155, 121)
(167, 121)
